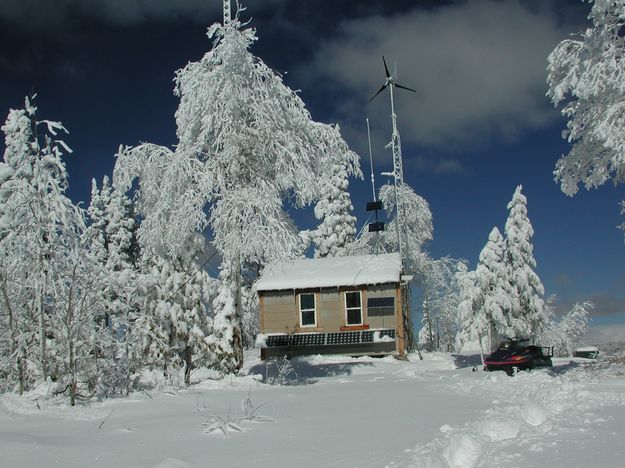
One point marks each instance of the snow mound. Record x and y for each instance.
(172, 463)
(497, 429)
(533, 414)
(463, 451)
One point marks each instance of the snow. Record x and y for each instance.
(331, 272)
(337, 411)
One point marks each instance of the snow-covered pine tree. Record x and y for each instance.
(78, 298)
(174, 324)
(440, 292)
(426, 333)
(334, 208)
(113, 243)
(39, 226)
(470, 305)
(564, 334)
(495, 316)
(528, 317)
(416, 225)
(100, 198)
(249, 316)
(245, 143)
(587, 78)
(227, 339)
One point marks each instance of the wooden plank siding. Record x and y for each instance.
(279, 310)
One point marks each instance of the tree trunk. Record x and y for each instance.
(429, 325)
(237, 338)
(188, 365)
(481, 349)
(15, 348)
(42, 333)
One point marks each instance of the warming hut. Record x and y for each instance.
(340, 305)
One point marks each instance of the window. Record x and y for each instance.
(353, 308)
(307, 310)
(380, 306)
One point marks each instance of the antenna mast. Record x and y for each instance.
(395, 144)
(371, 161)
(227, 13)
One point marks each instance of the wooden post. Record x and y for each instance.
(399, 324)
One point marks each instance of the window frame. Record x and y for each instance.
(374, 310)
(347, 309)
(314, 309)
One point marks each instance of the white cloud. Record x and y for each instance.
(604, 334)
(479, 67)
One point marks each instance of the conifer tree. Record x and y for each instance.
(38, 226)
(48, 280)
(528, 317)
(494, 319)
(334, 208)
(174, 323)
(112, 233)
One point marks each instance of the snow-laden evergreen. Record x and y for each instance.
(112, 237)
(174, 325)
(586, 77)
(338, 226)
(441, 293)
(48, 282)
(487, 296)
(245, 143)
(564, 334)
(416, 227)
(495, 318)
(227, 335)
(528, 316)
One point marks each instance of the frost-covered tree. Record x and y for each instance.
(487, 296)
(76, 301)
(440, 291)
(527, 316)
(334, 208)
(39, 227)
(249, 316)
(564, 334)
(470, 304)
(586, 77)
(426, 333)
(245, 143)
(112, 233)
(174, 323)
(496, 317)
(416, 226)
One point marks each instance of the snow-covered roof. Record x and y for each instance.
(331, 272)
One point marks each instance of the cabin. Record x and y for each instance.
(340, 305)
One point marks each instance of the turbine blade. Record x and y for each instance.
(404, 87)
(379, 91)
(388, 75)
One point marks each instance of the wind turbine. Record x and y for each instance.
(395, 144)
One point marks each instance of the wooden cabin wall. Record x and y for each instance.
(280, 309)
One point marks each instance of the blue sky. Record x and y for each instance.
(479, 125)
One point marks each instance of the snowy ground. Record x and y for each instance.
(339, 412)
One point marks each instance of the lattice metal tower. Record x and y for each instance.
(227, 13)
(395, 145)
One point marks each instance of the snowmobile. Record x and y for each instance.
(512, 355)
